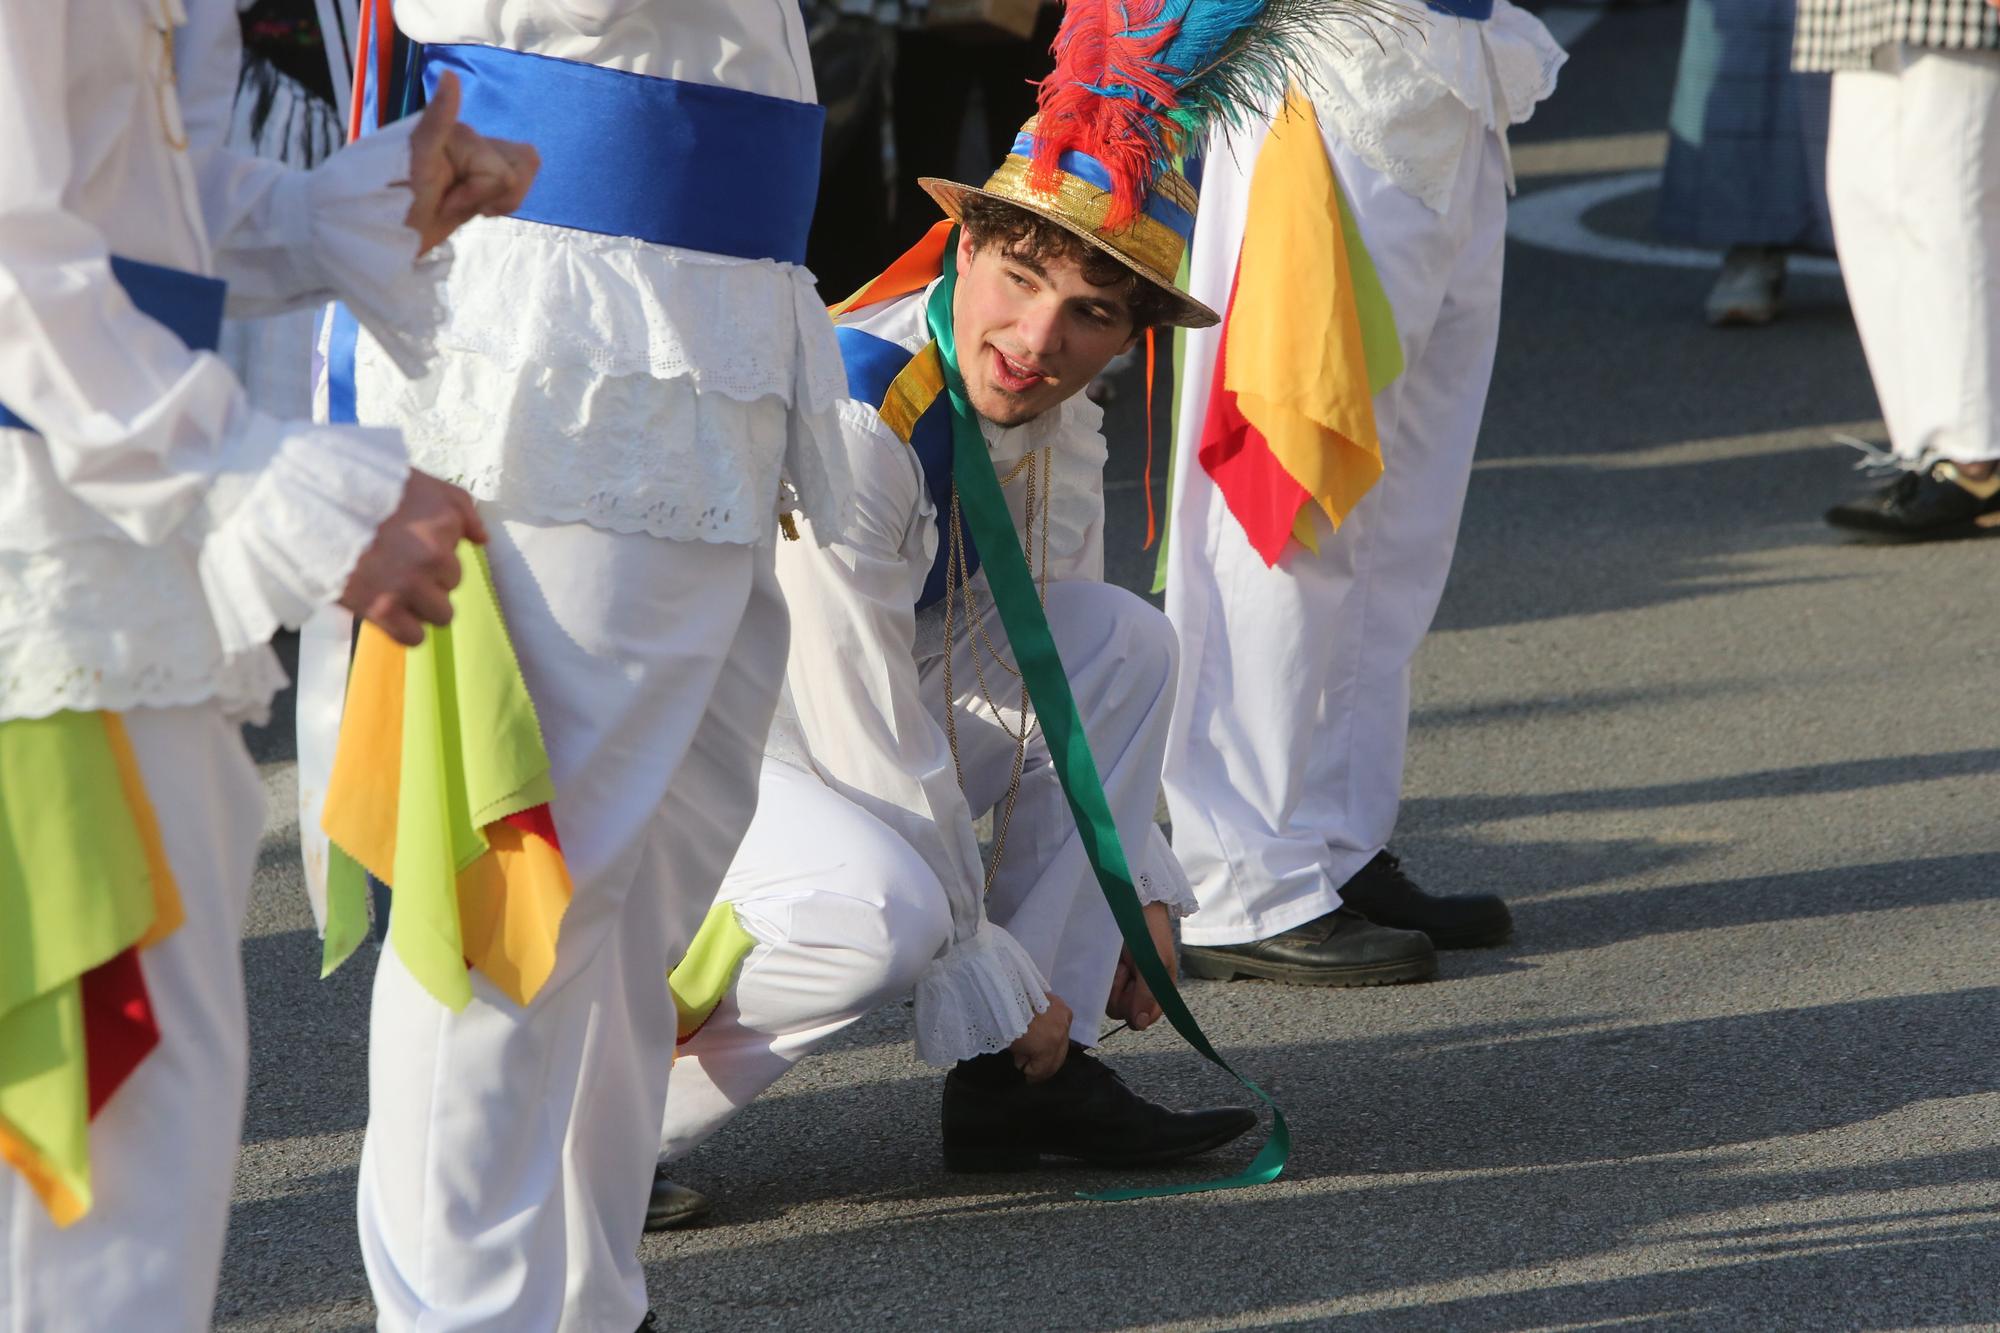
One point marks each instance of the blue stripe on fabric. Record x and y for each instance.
(684, 164)
(1476, 10)
(1085, 167)
(872, 366)
(346, 331)
(188, 304)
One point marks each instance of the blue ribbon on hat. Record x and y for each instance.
(1085, 167)
(1476, 10)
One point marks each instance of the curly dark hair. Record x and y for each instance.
(1033, 239)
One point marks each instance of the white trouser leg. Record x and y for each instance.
(163, 1149)
(1121, 659)
(505, 1171)
(1913, 162)
(1285, 771)
(845, 914)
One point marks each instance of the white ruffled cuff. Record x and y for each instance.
(287, 548)
(977, 998)
(367, 254)
(1161, 879)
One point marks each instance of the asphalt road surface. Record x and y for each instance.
(1736, 776)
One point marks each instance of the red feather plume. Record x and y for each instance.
(1109, 96)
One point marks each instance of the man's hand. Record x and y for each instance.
(1040, 1051)
(1131, 998)
(457, 173)
(404, 580)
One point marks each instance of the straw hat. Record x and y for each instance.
(1151, 243)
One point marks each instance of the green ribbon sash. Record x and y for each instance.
(1020, 608)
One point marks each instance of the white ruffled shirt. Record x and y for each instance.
(867, 728)
(608, 380)
(158, 529)
(1400, 97)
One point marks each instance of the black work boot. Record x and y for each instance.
(1385, 895)
(673, 1205)
(1939, 504)
(995, 1120)
(1342, 948)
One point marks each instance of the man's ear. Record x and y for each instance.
(965, 249)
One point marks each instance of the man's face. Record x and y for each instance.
(1031, 334)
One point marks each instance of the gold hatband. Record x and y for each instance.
(1143, 240)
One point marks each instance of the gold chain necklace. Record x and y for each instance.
(163, 84)
(1039, 466)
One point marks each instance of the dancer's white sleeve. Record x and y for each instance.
(151, 435)
(853, 679)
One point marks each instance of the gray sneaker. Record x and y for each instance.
(1749, 291)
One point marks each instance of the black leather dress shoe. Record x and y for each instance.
(995, 1120)
(648, 1324)
(1342, 948)
(1385, 895)
(1934, 505)
(674, 1205)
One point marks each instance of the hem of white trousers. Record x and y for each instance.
(1271, 921)
(1206, 930)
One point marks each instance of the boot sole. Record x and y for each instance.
(1862, 535)
(1208, 966)
(988, 1161)
(679, 1218)
(1486, 938)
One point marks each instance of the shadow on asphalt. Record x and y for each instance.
(1802, 780)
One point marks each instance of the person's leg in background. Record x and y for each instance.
(163, 1149)
(1912, 167)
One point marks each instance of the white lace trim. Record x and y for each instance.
(977, 997)
(526, 294)
(628, 453)
(1401, 104)
(108, 624)
(1161, 879)
(635, 387)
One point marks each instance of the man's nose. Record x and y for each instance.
(1040, 328)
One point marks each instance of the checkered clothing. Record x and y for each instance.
(1843, 34)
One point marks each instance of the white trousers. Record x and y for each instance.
(846, 914)
(1285, 766)
(1913, 167)
(163, 1150)
(505, 1171)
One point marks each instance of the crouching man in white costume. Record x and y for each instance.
(1286, 766)
(154, 531)
(861, 875)
(629, 364)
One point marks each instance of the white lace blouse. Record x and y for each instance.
(158, 530)
(870, 731)
(633, 386)
(1402, 102)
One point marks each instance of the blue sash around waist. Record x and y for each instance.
(189, 304)
(872, 366)
(674, 163)
(1476, 10)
